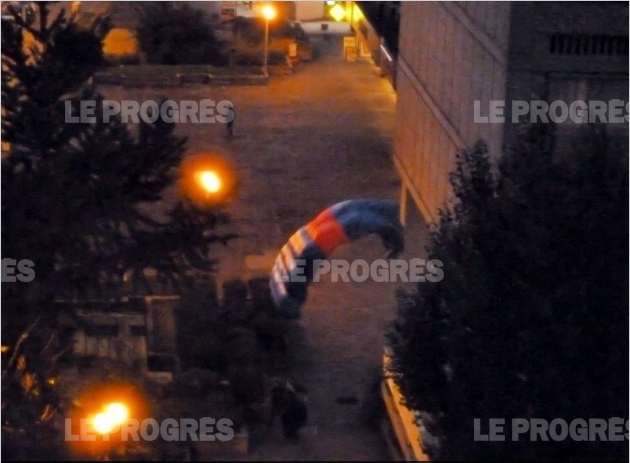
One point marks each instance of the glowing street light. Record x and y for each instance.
(337, 12)
(114, 415)
(269, 13)
(209, 181)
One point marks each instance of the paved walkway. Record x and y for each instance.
(301, 144)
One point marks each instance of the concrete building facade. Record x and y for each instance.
(453, 54)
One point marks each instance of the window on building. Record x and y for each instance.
(102, 330)
(138, 330)
(87, 362)
(161, 363)
(567, 44)
(596, 91)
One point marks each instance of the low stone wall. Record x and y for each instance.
(403, 434)
(234, 449)
(175, 76)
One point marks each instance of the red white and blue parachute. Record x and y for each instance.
(340, 224)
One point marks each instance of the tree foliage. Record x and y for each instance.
(176, 34)
(531, 318)
(30, 400)
(93, 204)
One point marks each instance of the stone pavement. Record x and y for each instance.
(301, 144)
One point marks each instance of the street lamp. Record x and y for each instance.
(113, 416)
(209, 180)
(269, 13)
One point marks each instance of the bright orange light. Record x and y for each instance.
(102, 424)
(269, 12)
(107, 406)
(5, 349)
(338, 12)
(209, 181)
(118, 412)
(114, 415)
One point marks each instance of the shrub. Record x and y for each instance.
(173, 35)
(531, 318)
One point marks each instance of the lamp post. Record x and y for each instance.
(209, 181)
(112, 417)
(269, 13)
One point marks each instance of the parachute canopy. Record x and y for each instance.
(340, 224)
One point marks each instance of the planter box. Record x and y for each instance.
(402, 427)
(168, 80)
(107, 78)
(238, 447)
(195, 78)
(176, 76)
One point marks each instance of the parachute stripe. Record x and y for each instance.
(341, 223)
(297, 242)
(328, 235)
(280, 275)
(278, 290)
(326, 232)
(287, 258)
(321, 219)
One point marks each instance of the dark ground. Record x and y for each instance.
(301, 144)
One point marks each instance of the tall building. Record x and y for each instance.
(463, 66)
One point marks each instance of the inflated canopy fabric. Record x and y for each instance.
(340, 224)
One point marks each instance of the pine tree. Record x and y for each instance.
(531, 317)
(85, 202)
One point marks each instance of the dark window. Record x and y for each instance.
(161, 363)
(101, 330)
(87, 363)
(565, 44)
(138, 330)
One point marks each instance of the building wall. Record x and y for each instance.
(115, 336)
(569, 51)
(450, 54)
(140, 332)
(305, 11)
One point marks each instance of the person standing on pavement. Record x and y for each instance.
(289, 402)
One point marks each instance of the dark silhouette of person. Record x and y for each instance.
(287, 402)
